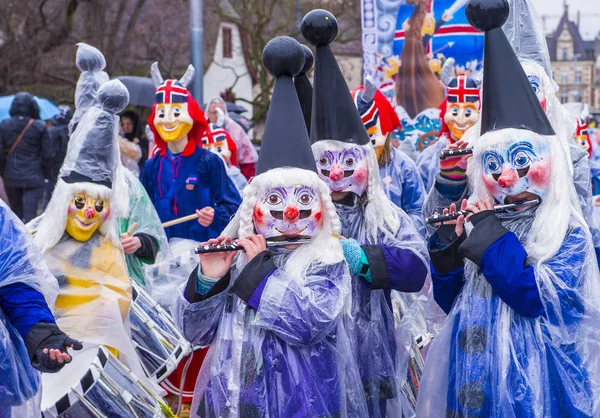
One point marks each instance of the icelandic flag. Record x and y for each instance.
(452, 36)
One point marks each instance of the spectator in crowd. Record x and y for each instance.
(246, 154)
(26, 156)
(59, 134)
(133, 131)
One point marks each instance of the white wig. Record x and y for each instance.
(381, 215)
(559, 206)
(53, 222)
(324, 249)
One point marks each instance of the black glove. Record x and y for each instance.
(45, 336)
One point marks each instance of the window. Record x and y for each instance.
(565, 54)
(564, 78)
(564, 97)
(578, 77)
(227, 43)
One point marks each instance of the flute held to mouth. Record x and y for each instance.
(435, 219)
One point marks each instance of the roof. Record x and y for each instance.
(581, 47)
(228, 10)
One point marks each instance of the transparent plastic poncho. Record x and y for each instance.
(487, 359)
(291, 357)
(385, 335)
(22, 263)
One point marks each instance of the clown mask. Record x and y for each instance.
(377, 137)
(536, 85)
(86, 215)
(172, 121)
(517, 170)
(460, 117)
(284, 213)
(582, 136)
(344, 170)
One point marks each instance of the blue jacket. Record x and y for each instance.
(180, 184)
(402, 184)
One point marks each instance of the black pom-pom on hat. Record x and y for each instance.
(283, 56)
(309, 60)
(113, 96)
(319, 27)
(485, 15)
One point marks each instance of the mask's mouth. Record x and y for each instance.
(461, 127)
(85, 224)
(522, 197)
(289, 237)
(170, 127)
(291, 232)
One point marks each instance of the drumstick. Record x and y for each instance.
(181, 220)
(134, 226)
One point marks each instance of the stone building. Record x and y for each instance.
(573, 63)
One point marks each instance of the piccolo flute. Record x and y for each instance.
(206, 249)
(497, 209)
(455, 152)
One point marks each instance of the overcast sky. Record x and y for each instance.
(590, 14)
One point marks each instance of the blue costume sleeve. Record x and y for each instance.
(395, 268)
(504, 265)
(24, 307)
(447, 286)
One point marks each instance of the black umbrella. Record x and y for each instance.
(141, 90)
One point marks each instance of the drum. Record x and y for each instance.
(96, 384)
(156, 339)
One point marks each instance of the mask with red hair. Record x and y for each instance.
(217, 140)
(175, 114)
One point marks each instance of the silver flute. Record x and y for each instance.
(454, 152)
(206, 249)
(497, 209)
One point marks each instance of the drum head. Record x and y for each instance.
(57, 385)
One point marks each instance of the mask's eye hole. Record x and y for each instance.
(305, 199)
(323, 161)
(454, 111)
(522, 160)
(349, 161)
(99, 206)
(274, 199)
(492, 164)
(79, 201)
(468, 112)
(161, 113)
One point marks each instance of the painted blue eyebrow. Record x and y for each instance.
(519, 144)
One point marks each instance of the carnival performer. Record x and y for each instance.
(149, 242)
(217, 140)
(30, 340)
(246, 153)
(79, 236)
(275, 317)
(521, 286)
(182, 178)
(459, 112)
(383, 249)
(399, 175)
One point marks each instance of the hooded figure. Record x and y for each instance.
(27, 326)
(31, 159)
(459, 112)
(246, 153)
(521, 287)
(399, 175)
(384, 251)
(275, 318)
(182, 178)
(79, 237)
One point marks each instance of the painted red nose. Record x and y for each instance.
(291, 213)
(89, 212)
(508, 178)
(336, 173)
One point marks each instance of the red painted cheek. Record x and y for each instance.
(319, 217)
(540, 173)
(361, 174)
(105, 214)
(72, 210)
(258, 216)
(490, 183)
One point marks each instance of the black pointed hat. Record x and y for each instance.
(334, 115)
(285, 140)
(303, 86)
(508, 99)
